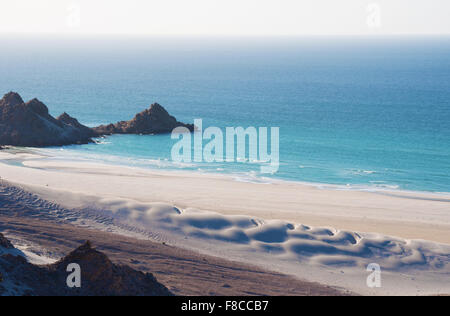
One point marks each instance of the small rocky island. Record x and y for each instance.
(155, 120)
(29, 124)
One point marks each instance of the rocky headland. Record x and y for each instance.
(29, 124)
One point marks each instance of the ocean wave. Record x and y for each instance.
(61, 153)
(233, 171)
(251, 177)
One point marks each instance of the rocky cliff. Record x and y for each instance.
(155, 120)
(99, 276)
(30, 124)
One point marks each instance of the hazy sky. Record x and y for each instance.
(226, 17)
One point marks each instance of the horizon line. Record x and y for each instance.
(194, 35)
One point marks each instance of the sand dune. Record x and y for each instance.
(315, 245)
(184, 272)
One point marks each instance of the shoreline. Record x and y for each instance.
(415, 194)
(402, 214)
(269, 225)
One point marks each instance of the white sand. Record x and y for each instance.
(277, 226)
(32, 253)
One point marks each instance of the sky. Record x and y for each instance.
(226, 17)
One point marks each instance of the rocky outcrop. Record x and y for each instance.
(30, 124)
(5, 243)
(155, 120)
(99, 277)
(72, 122)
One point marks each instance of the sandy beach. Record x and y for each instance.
(402, 214)
(324, 235)
(225, 148)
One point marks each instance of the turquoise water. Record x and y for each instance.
(364, 113)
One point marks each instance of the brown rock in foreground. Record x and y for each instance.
(155, 120)
(5, 243)
(99, 276)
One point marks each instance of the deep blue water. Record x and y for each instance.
(371, 112)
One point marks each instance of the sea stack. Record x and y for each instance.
(30, 125)
(155, 120)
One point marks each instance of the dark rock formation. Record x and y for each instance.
(5, 243)
(70, 121)
(99, 277)
(11, 99)
(155, 120)
(30, 124)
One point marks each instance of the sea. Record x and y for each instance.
(356, 113)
